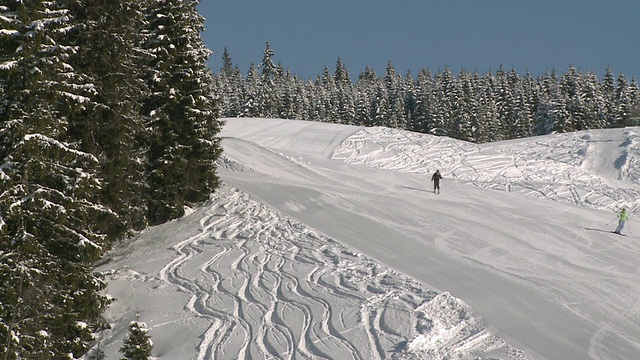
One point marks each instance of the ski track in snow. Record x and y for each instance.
(542, 167)
(271, 288)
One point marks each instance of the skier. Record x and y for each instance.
(436, 181)
(622, 219)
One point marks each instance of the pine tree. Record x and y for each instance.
(137, 345)
(608, 92)
(394, 112)
(330, 100)
(182, 134)
(53, 221)
(465, 108)
(623, 102)
(252, 88)
(229, 87)
(227, 64)
(366, 88)
(594, 102)
(409, 101)
(111, 125)
(267, 92)
(441, 108)
(380, 106)
(345, 95)
(97, 354)
(488, 129)
(424, 100)
(267, 64)
(634, 97)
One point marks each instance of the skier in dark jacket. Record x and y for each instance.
(436, 181)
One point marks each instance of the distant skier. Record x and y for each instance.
(623, 216)
(436, 181)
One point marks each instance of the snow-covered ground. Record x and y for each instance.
(326, 242)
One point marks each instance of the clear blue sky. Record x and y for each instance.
(533, 35)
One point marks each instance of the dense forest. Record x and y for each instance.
(467, 106)
(108, 124)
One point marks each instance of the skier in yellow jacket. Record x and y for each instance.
(623, 216)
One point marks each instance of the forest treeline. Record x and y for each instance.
(108, 124)
(467, 105)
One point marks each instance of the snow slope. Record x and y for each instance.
(326, 241)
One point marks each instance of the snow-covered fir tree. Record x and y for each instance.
(229, 85)
(182, 111)
(137, 345)
(111, 125)
(49, 203)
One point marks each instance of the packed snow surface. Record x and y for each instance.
(326, 241)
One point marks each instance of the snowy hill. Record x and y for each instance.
(326, 241)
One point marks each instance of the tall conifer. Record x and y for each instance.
(48, 196)
(182, 144)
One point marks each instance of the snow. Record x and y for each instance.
(326, 241)
(6, 31)
(55, 143)
(8, 65)
(79, 99)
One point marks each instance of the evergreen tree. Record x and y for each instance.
(594, 103)
(489, 128)
(380, 107)
(111, 125)
(410, 101)
(267, 64)
(249, 105)
(227, 64)
(366, 87)
(394, 112)
(182, 143)
(424, 100)
(634, 97)
(137, 345)
(608, 93)
(623, 103)
(53, 219)
(267, 91)
(441, 109)
(465, 107)
(330, 103)
(229, 87)
(341, 75)
(524, 106)
(97, 354)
